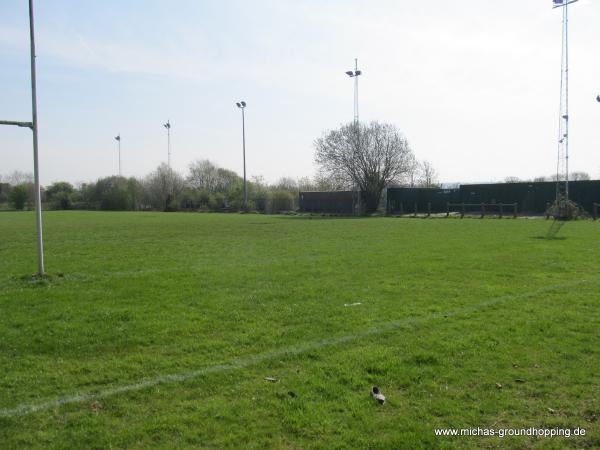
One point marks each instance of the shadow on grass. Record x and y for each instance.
(550, 238)
(322, 217)
(46, 280)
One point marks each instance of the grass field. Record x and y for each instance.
(157, 330)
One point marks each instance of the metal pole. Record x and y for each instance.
(356, 90)
(120, 174)
(566, 18)
(244, 154)
(169, 143)
(36, 171)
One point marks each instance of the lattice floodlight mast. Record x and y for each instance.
(562, 163)
(354, 74)
(33, 125)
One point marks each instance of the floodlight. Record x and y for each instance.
(354, 74)
(598, 98)
(238, 105)
(243, 104)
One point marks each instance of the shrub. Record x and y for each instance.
(281, 200)
(216, 201)
(19, 195)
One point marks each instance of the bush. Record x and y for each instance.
(62, 200)
(281, 200)
(60, 195)
(19, 195)
(4, 191)
(216, 201)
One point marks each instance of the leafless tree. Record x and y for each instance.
(580, 176)
(412, 171)
(512, 180)
(287, 184)
(368, 156)
(163, 186)
(306, 184)
(18, 177)
(203, 174)
(428, 177)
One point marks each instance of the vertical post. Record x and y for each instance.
(515, 210)
(244, 154)
(415, 211)
(595, 211)
(482, 210)
(428, 209)
(462, 210)
(168, 144)
(566, 18)
(120, 173)
(501, 210)
(36, 170)
(401, 208)
(447, 209)
(356, 90)
(547, 210)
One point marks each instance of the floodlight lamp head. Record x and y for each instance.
(358, 72)
(118, 138)
(238, 105)
(350, 73)
(243, 104)
(598, 98)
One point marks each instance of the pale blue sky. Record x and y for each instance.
(473, 84)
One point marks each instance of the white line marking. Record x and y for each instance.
(288, 351)
(352, 304)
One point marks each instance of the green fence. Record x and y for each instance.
(531, 198)
(420, 200)
(335, 202)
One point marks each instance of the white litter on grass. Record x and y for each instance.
(352, 304)
(287, 351)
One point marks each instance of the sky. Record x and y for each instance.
(473, 85)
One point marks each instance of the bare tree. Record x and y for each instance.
(203, 174)
(287, 184)
(306, 184)
(163, 186)
(512, 180)
(428, 177)
(369, 157)
(580, 176)
(18, 177)
(412, 171)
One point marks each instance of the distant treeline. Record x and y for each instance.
(206, 187)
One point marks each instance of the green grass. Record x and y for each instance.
(448, 309)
